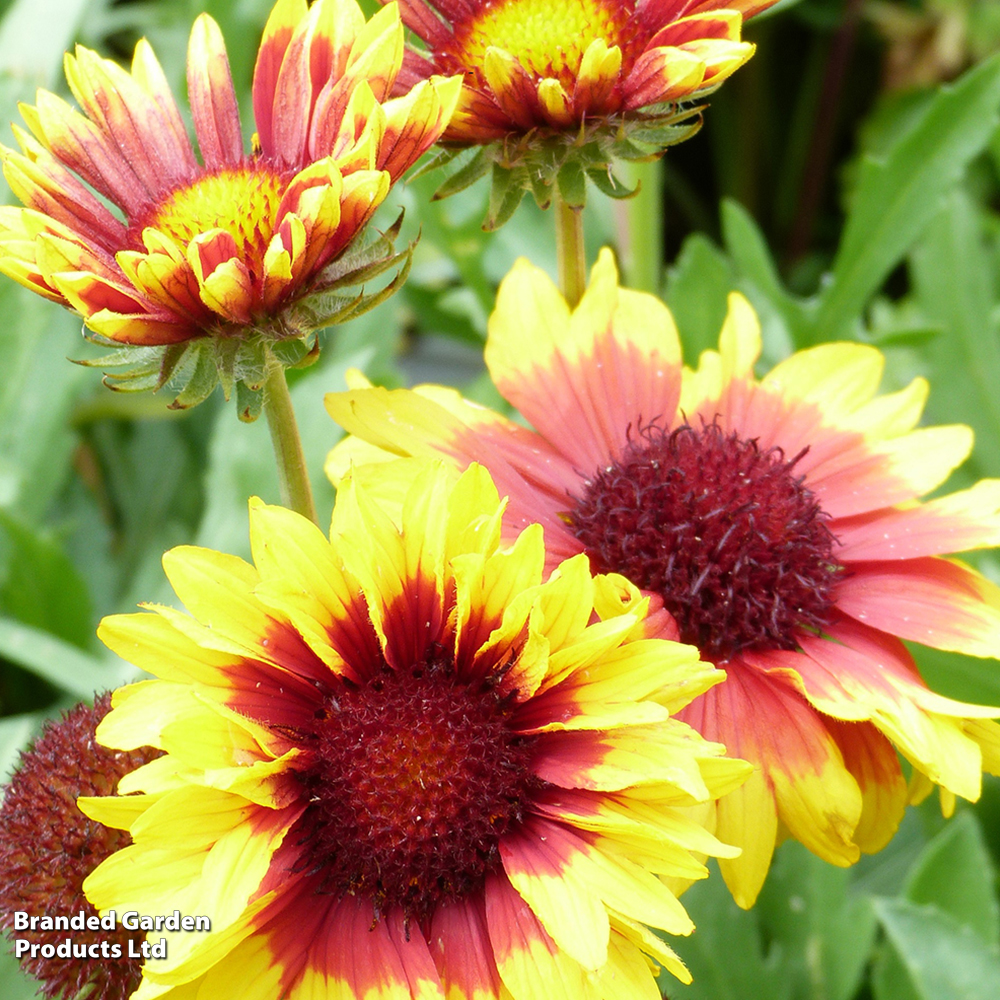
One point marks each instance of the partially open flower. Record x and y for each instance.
(559, 87)
(777, 519)
(401, 763)
(48, 847)
(203, 264)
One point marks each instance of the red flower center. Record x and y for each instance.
(725, 532)
(415, 778)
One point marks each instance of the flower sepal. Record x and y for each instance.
(325, 307)
(192, 370)
(546, 160)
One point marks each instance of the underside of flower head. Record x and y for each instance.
(557, 90)
(403, 763)
(777, 520)
(204, 261)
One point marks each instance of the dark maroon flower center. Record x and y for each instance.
(415, 778)
(730, 537)
(48, 847)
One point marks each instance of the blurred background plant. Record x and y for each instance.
(847, 180)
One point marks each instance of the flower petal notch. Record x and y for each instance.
(556, 90)
(206, 267)
(776, 520)
(402, 762)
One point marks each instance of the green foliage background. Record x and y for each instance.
(847, 181)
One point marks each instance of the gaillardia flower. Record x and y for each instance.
(210, 261)
(48, 847)
(559, 87)
(777, 520)
(399, 764)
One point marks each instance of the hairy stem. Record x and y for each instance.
(293, 479)
(571, 259)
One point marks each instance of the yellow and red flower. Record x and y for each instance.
(232, 246)
(556, 64)
(560, 87)
(398, 763)
(776, 519)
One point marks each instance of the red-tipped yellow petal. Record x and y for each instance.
(662, 75)
(213, 99)
(415, 122)
(278, 32)
(599, 72)
(525, 954)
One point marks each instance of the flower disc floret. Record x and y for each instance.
(403, 760)
(204, 262)
(48, 847)
(779, 521)
(415, 780)
(242, 201)
(725, 533)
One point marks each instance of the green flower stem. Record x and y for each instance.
(571, 259)
(296, 491)
(642, 248)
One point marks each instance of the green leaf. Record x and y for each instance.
(136, 380)
(16, 731)
(434, 161)
(38, 390)
(942, 959)
(225, 351)
(198, 379)
(906, 336)
(954, 286)
(50, 27)
(250, 365)
(541, 184)
(824, 930)
(291, 352)
(890, 980)
(56, 661)
(39, 586)
(726, 953)
(454, 229)
(965, 678)
(955, 873)
(898, 195)
(698, 286)
(15, 984)
(752, 259)
(150, 474)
